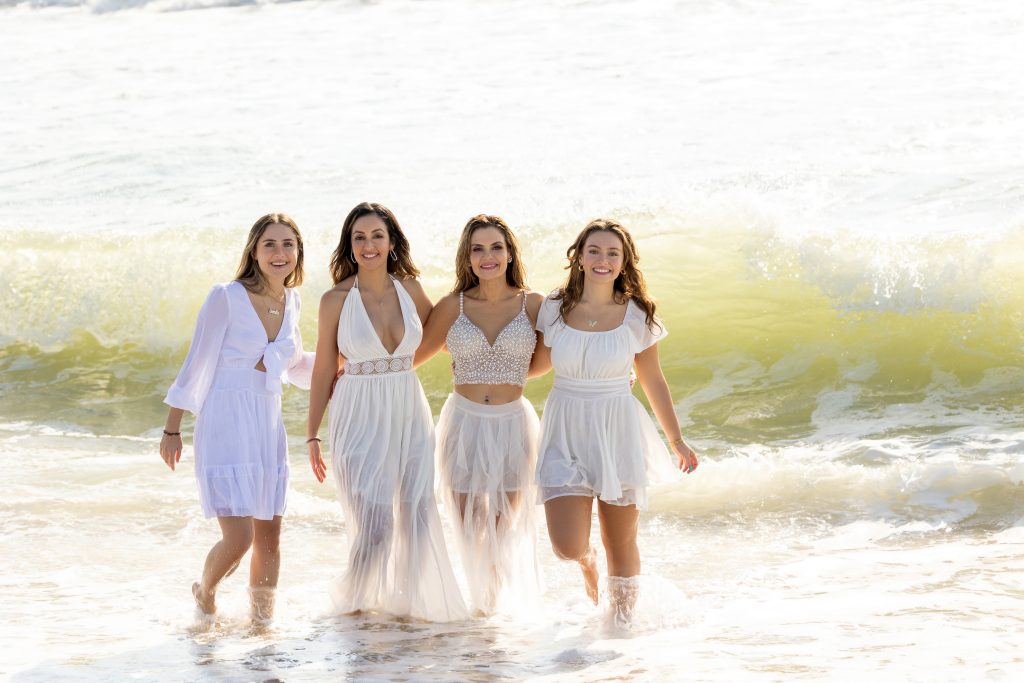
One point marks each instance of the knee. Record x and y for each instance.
(238, 542)
(378, 530)
(270, 544)
(574, 549)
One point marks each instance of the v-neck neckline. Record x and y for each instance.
(462, 312)
(252, 307)
(366, 314)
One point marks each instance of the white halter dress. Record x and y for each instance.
(382, 456)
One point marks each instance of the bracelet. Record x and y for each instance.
(675, 441)
(313, 438)
(167, 433)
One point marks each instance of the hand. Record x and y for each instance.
(316, 461)
(336, 378)
(170, 450)
(686, 456)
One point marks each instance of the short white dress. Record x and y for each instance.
(596, 437)
(382, 456)
(240, 443)
(487, 455)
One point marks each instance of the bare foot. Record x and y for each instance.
(588, 565)
(204, 601)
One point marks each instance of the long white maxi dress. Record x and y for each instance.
(240, 444)
(382, 456)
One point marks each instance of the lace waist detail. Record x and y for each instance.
(379, 366)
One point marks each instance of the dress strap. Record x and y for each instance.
(460, 302)
(523, 310)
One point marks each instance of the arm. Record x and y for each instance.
(300, 367)
(652, 379)
(193, 381)
(541, 362)
(325, 369)
(442, 317)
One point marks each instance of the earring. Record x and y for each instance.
(510, 259)
(393, 255)
(352, 256)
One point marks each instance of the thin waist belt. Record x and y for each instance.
(378, 366)
(592, 388)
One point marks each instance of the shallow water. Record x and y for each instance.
(828, 207)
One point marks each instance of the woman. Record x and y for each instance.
(597, 441)
(487, 431)
(381, 434)
(246, 343)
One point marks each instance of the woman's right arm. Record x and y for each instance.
(442, 317)
(196, 375)
(325, 370)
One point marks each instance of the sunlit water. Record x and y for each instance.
(828, 206)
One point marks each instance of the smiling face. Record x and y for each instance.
(277, 253)
(601, 257)
(371, 242)
(488, 253)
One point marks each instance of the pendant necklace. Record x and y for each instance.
(275, 311)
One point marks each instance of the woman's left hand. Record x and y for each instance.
(686, 456)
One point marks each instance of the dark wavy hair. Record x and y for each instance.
(629, 284)
(249, 273)
(465, 278)
(342, 263)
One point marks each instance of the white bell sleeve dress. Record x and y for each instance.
(240, 444)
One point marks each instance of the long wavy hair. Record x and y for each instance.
(343, 260)
(249, 273)
(465, 278)
(629, 284)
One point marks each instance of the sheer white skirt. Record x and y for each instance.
(487, 455)
(382, 457)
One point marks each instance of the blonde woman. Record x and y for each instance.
(246, 344)
(487, 431)
(597, 441)
(381, 430)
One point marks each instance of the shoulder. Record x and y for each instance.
(220, 293)
(446, 310)
(448, 303)
(412, 285)
(534, 300)
(336, 295)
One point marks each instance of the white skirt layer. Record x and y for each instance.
(598, 440)
(487, 455)
(241, 448)
(382, 456)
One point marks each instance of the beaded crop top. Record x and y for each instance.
(477, 362)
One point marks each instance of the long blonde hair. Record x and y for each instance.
(343, 264)
(629, 284)
(465, 278)
(249, 273)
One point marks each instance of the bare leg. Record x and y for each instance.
(569, 529)
(618, 533)
(223, 558)
(264, 566)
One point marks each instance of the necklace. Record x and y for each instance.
(275, 310)
(592, 323)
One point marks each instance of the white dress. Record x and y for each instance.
(382, 456)
(240, 443)
(596, 437)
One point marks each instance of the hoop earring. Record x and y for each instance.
(392, 255)
(352, 257)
